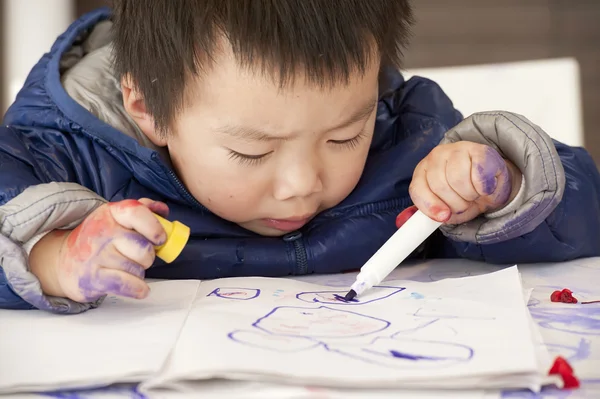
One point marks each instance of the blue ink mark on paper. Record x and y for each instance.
(321, 322)
(437, 310)
(273, 342)
(407, 353)
(240, 294)
(297, 329)
(408, 356)
(416, 295)
(577, 319)
(332, 297)
(130, 391)
(580, 352)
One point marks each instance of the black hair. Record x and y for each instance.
(161, 44)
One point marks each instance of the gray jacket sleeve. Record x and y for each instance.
(38, 210)
(534, 153)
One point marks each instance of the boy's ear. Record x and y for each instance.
(135, 106)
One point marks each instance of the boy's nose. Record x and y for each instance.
(298, 179)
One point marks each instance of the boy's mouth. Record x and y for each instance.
(289, 224)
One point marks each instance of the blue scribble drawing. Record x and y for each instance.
(575, 319)
(273, 342)
(414, 353)
(439, 309)
(125, 391)
(240, 294)
(288, 329)
(572, 353)
(321, 322)
(333, 297)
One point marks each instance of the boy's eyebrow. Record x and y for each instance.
(254, 134)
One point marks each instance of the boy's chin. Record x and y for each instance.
(257, 227)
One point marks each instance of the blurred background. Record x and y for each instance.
(540, 58)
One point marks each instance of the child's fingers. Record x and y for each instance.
(160, 208)
(118, 262)
(424, 199)
(135, 247)
(486, 166)
(438, 184)
(458, 175)
(133, 215)
(111, 281)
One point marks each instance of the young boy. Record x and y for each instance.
(281, 133)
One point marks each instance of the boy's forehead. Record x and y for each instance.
(225, 66)
(252, 104)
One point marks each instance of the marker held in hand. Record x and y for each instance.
(404, 241)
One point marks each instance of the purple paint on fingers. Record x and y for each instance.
(140, 241)
(132, 268)
(94, 288)
(491, 172)
(88, 288)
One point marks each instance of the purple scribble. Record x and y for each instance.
(321, 322)
(408, 356)
(577, 320)
(343, 299)
(240, 294)
(580, 352)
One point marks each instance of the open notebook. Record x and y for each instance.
(471, 332)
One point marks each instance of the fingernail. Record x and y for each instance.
(443, 216)
(160, 239)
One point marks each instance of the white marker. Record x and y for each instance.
(404, 241)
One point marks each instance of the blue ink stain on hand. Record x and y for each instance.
(416, 295)
(341, 298)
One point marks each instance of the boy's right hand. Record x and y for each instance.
(107, 253)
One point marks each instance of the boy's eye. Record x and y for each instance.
(349, 143)
(246, 159)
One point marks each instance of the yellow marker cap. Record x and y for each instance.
(177, 236)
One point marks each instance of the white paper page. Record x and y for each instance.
(122, 340)
(224, 389)
(458, 331)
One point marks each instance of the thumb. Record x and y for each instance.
(405, 215)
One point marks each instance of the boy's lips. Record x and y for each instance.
(289, 224)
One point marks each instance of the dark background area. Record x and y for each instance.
(463, 32)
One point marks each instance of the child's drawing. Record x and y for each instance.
(336, 297)
(242, 294)
(575, 320)
(437, 308)
(352, 334)
(321, 322)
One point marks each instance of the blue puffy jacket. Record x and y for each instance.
(59, 161)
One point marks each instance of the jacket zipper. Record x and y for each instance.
(300, 249)
(185, 192)
(301, 258)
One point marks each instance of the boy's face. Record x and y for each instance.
(265, 157)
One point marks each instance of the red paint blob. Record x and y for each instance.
(563, 368)
(564, 296)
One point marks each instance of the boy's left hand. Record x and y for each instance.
(457, 182)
